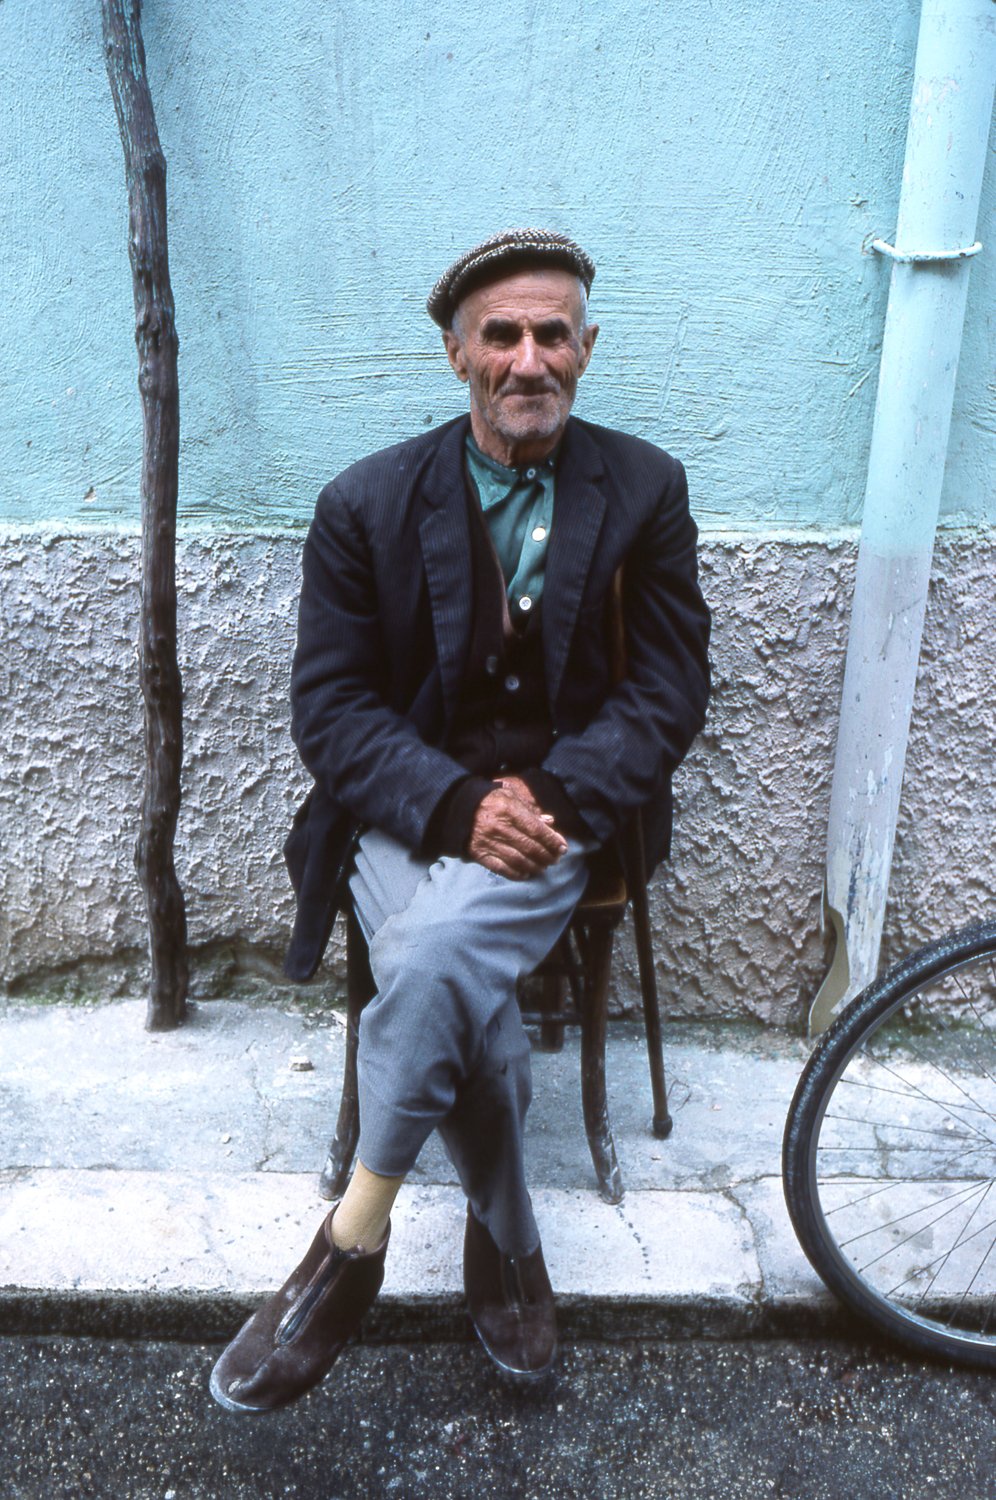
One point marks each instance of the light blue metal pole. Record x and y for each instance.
(954, 81)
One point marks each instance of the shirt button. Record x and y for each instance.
(491, 665)
(539, 533)
(525, 604)
(512, 684)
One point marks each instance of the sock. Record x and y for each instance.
(361, 1218)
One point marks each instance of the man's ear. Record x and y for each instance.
(454, 353)
(587, 345)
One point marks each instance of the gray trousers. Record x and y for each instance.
(442, 1044)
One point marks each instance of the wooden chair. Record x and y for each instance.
(573, 987)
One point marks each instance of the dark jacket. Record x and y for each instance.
(384, 630)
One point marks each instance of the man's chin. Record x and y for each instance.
(525, 426)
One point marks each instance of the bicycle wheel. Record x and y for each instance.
(889, 1155)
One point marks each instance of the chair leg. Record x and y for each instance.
(551, 999)
(335, 1173)
(594, 1026)
(359, 989)
(662, 1122)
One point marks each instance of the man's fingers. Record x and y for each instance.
(512, 838)
(508, 810)
(512, 863)
(516, 857)
(524, 859)
(517, 847)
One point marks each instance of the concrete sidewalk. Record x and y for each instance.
(157, 1185)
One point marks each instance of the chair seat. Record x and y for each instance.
(605, 895)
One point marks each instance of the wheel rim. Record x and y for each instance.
(902, 1161)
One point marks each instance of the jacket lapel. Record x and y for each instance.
(445, 537)
(578, 513)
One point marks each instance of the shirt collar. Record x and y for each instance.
(525, 474)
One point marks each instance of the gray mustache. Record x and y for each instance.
(514, 388)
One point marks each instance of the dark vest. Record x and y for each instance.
(503, 719)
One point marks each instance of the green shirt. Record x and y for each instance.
(518, 509)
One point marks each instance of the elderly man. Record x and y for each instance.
(471, 741)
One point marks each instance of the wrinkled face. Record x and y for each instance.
(520, 346)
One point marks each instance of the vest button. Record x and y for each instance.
(500, 723)
(512, 684)
(491, 665)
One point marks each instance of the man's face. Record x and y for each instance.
(519, 345)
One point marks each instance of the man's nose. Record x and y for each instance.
(528, 360)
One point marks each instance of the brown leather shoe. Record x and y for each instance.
(511, 1305)
(294, 1339)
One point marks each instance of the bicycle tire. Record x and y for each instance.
(891, 1133)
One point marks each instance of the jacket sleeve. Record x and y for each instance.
(369, 758)
(644, 728)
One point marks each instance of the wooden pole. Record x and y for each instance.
(155, 336)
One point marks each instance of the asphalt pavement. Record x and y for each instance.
(88, 1419)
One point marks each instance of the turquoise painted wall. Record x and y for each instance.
(723, 162)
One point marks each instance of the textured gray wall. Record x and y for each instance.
(737, 912)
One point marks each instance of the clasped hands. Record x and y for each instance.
(511, 834)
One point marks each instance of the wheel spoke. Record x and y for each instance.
(853, 1202)
(967, 1241)
(878, 1149)
(978, 1269)
(938, 1103)
(955, 1199)
(878, 1088)
(945, 1135)
(930, 1063)
(954, 1247)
